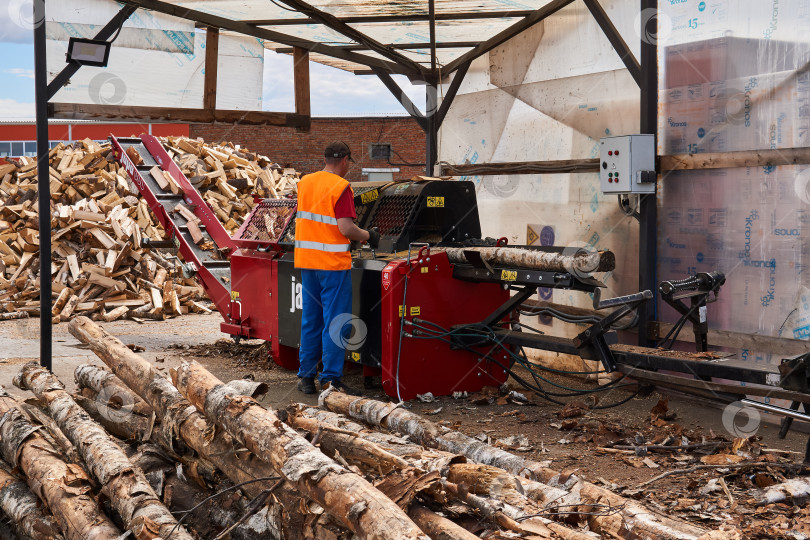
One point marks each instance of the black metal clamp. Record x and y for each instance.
(701, 289)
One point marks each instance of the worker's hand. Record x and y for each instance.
(373, 237)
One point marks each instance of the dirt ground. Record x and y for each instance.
(574, 439)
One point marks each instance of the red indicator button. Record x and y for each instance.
(610, 153)
(617, 152)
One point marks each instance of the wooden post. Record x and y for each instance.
(301, 81)
(211, 58)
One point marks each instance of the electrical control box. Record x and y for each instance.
(627, 164)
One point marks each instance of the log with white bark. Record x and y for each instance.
(346, 496)
(22, 507)
(179, 419)
(128, 427)
(576, 260)
(631, 515)
(111, 391)
(64, 487)
(131, 496)
(422, 431)
(511, 506)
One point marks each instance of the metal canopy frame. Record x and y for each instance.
(388, 61)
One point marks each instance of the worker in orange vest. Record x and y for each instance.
(324, 229)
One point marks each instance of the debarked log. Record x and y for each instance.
(345, 495)
(178, 418)
(575, 259)
(64, 487)
(21, 506)
(131, 496)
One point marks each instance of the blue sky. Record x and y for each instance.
(333, 91)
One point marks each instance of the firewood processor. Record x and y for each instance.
(436, 308)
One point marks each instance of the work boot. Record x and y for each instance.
(340, 386)
(306, 385)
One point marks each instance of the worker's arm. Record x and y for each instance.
(351, 231)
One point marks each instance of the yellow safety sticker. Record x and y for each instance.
(424, 269)
(416, 310)
(508, 275)
(356, 356)
(401, 311)
(234, 295)
(370, 196)
(435, 202)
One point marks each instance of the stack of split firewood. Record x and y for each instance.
(99, 220)
(207, 454)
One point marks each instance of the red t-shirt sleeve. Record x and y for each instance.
(345, 205)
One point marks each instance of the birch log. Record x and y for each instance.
(111, 391)
(131, 496)
(64, 487)
(178, 418)
(22, 507)
(632, 515)
(437, 527)
(345, 495)
(576, 260)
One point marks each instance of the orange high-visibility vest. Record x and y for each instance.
(319, 245)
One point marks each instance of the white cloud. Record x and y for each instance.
(11, 109)
(20, 72)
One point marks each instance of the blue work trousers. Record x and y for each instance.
(327, 307)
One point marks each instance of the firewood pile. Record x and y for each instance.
(196, 458)
(99, 219)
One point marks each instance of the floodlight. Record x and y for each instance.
(88, 52)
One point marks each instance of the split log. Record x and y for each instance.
(576, 260)
(22, 507)
(130, 494)
(360, 507)
(59, 303)
(631, 514)
(64, 487)
(179, 419)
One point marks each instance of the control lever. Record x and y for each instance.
(634, 298)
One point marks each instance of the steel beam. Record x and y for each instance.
(535, 17)
(104, 34)
(263, 33)
(360, 19)
(341, 27)
(43, 186)
(648, 206)
(616, 39)
(403, 98)
(452, 90)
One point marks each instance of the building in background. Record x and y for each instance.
(383, 147)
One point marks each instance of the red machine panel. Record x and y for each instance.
(430, 365)
(254, 294)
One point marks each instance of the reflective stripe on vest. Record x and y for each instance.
(320, 218)
(331, 248)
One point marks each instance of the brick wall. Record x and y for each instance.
(304, 151)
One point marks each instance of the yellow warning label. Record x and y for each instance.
(401, 311)
(416, 310)
(234, 295)
(508, 275)
(370, 196)
(531, 236)
(435, 202)
(424, 269)
(356, 356)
